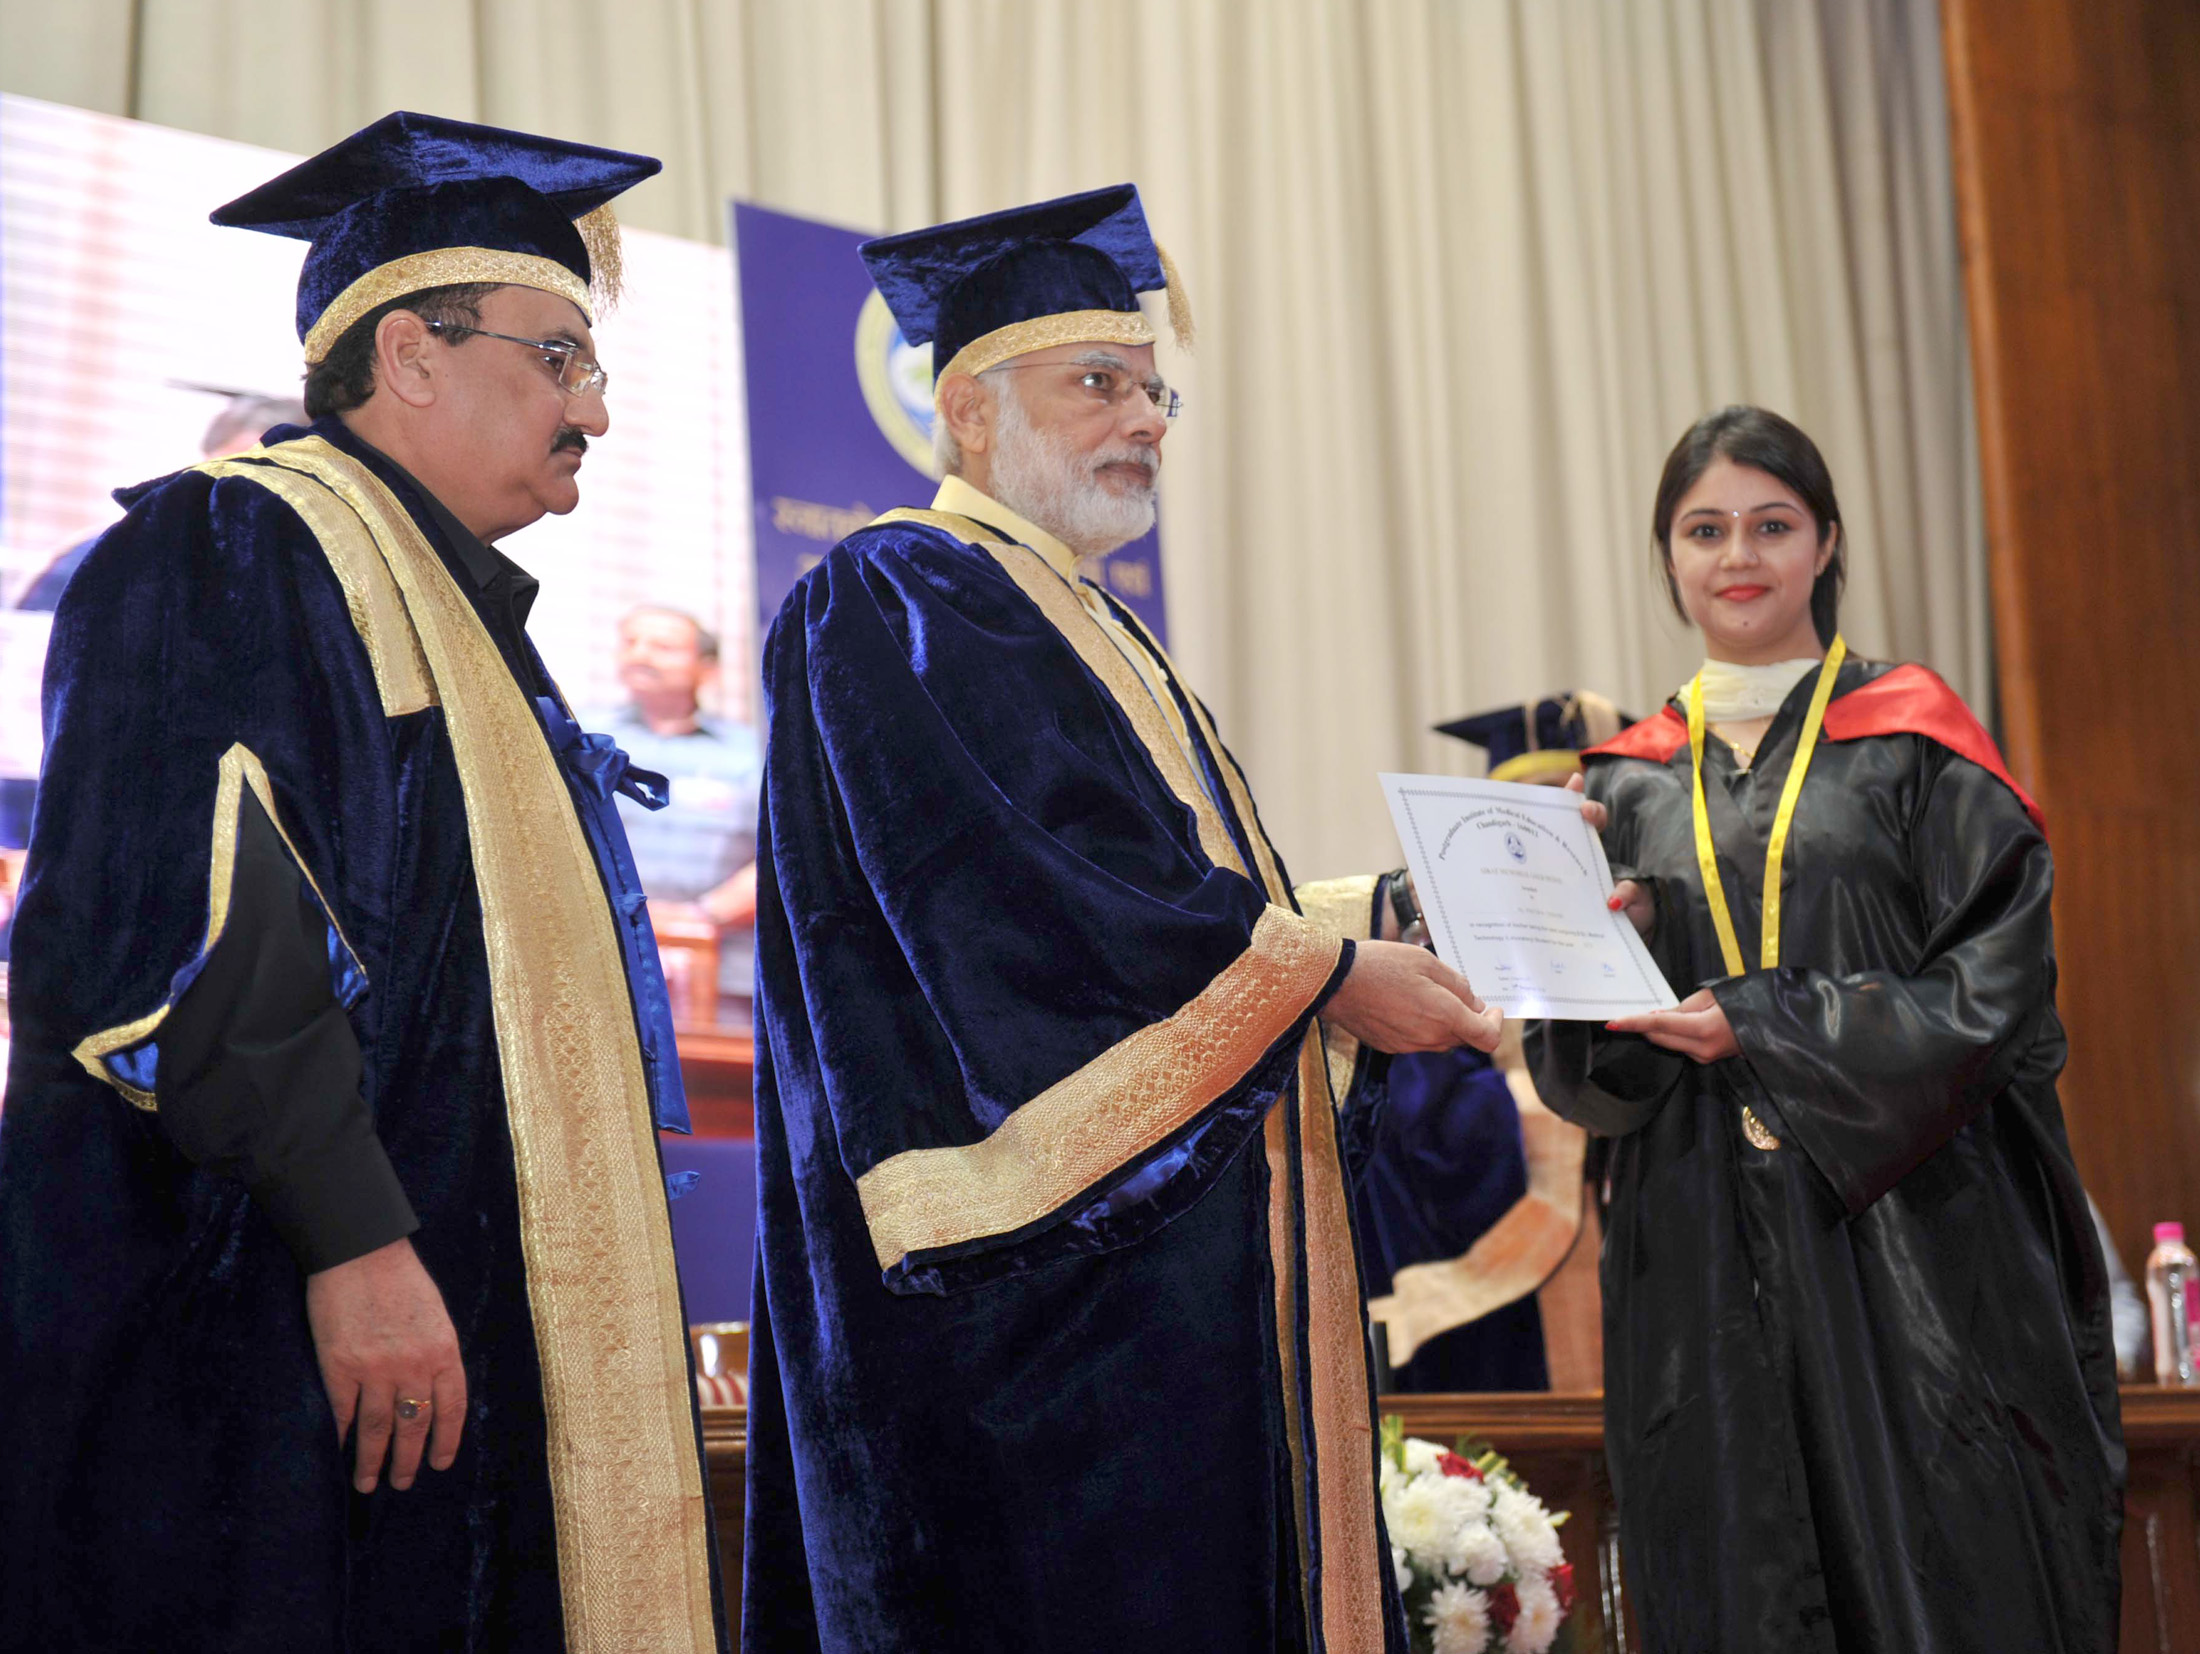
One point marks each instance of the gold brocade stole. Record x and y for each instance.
(625, 1473)
(1346, 1602)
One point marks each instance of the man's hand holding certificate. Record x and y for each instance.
(1516, 892)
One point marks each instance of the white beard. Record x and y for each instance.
(1041, 478)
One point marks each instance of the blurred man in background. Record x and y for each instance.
(243, 416)
(236, 427)
(696, 857)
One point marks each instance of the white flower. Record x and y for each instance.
(1482, 1555)
(1421, 1520)
(1460, 1617)
(1536, 1626)
(1439, 1520)
(1401, 1568)
(1421, 1456)
(1526, 1530)
(1468, 1497)
(1464, 1503)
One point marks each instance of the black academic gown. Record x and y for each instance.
(1859, 1388)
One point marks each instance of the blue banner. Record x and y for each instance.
(840, 408)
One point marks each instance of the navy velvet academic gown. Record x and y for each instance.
(173, 1477)
(1860, 1392)
(1032, 1157)
(1443, 1163)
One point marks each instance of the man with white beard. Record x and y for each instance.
(1058, 1338)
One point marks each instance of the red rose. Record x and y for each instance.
(1562, 1586)
(1451, 1464)
(1504, 1607)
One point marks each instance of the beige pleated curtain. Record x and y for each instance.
(1464, 269)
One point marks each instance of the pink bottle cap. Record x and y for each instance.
(2169, 1232)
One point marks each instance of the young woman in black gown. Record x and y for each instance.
(1859, 1381)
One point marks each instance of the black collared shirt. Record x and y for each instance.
(501, 592)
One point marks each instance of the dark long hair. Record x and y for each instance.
(1762, 440)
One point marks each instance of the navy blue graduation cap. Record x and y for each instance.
(1542, 742)
(418, 201)
(1058, 272)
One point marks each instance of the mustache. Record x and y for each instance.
(1142, 458)
(570, 436)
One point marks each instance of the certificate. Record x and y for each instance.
(1514, 885)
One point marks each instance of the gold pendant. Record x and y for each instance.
(1754, 1129)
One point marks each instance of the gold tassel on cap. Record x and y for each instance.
(1180, 302)
(606, 265)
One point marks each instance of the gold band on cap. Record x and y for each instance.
(1550, 763)
(444, 267)
(1071, 327)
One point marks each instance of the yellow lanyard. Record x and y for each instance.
(1707, 857)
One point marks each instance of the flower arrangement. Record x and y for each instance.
(1476, 1553)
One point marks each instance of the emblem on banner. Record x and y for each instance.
(896, 377)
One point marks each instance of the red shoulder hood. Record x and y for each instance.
(1910, 700)
(1656, 738)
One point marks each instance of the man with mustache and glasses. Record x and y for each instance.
(1058, 1338)
(340, 1042)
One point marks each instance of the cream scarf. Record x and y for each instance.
(1738, 694)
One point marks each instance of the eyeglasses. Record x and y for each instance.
(576, 374)
(1115, 388)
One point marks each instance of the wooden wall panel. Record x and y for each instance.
(2076, 127)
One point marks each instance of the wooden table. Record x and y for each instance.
(2162, 1521)
(726, 1464)
(1556, 1442)
(719, 1067)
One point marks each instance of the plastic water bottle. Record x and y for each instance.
(2173, 1293)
